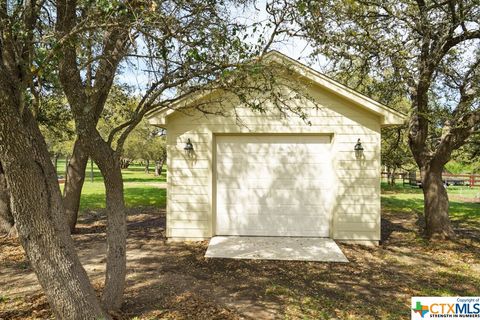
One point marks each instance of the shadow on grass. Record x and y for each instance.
(400, 188)
(461, 212)
(465, 212)
(137, 174)
(137, 197)
(133, 173)
(134, 197)
(150, 178)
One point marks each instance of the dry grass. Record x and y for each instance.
(174, 280)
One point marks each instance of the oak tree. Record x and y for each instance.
(34, 195)
(425, 51)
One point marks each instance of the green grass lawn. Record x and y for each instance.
(141, 189)
(407, 199)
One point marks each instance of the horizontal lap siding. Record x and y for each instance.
(356, 209)
(189, 196)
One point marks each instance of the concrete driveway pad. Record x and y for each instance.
(275, 248)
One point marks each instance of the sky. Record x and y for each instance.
(295, 48)
(133, 73)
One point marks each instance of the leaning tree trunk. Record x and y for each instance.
(437, 220)
(147, 166)
(7, 224)
(109, 163)
(37, 207)
(116, 232)
(158, 167)
(74, 179)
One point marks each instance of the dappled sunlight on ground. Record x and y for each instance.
(169, 280)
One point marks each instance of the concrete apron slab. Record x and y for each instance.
(275, 248)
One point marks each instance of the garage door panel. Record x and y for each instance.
(312, 150)
(312, 147)
(309, 163)
(265, 152)
(273, 202)
(278, 184)
(271, 170)
(275, 226)
(225, 181)
(271, 197)
(279, 210)
(278, 232)
(270, 144)
(316, 152)
(273, 185)
(241, 186)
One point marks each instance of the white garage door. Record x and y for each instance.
(273, 185)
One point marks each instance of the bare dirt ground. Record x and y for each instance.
(475, 199)
(174, 281)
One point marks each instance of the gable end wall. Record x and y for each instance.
(191, 194)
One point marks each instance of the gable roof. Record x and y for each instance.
(388, 115)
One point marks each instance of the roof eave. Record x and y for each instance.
(388, 115)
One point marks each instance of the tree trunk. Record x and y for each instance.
(437, 219)
(7, 224)
(87, 104)
(74, 179)
(109, 163)
(124, 163)
(158, 167)
(116, 234)
(37, 208)
(392, 177)
(147, 166)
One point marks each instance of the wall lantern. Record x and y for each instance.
(188, 147)
(358, 149)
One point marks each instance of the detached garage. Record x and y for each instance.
(245, 173)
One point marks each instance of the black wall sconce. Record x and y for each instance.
(188, 147)
(358, 149)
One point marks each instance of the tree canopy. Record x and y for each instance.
(427, 52)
